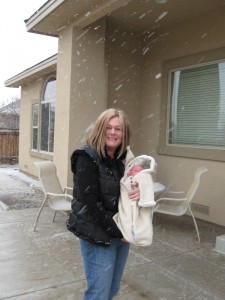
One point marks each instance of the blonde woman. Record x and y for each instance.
(98, 168)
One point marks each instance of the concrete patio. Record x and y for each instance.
(46, 264)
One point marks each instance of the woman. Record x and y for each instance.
(98, 168)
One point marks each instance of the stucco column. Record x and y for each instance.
(81, 91)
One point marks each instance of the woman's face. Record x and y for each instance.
(113, 135)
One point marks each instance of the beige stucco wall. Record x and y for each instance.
(190, 38)
(100, 67)
(133, 84)
(81, 90)
(124, 62)
(62, 111)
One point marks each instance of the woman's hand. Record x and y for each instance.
(134, 195)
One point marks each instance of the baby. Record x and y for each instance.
(134, 219)
(134, 170)
(146, 166)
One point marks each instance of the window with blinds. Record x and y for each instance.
(197, 106)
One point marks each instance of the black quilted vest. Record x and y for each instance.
(110, 172)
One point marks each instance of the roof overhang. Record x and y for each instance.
(55, 15)
(139, 16)
(34, 73)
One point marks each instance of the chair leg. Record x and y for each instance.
(38, 215)
(195, 223)
(54, 216)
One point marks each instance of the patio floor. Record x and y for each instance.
(46, 264)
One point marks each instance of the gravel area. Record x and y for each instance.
(19, 190)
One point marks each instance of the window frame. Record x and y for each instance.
(38, 152)
(35, 126)
(189, 151)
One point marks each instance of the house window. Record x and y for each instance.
(194, 109)
(35, 127)
(43, 118)
(197, 106)
(48, 116)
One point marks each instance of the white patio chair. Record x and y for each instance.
(178, 206)
(57, 199)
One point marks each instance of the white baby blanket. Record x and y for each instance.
(134, 219)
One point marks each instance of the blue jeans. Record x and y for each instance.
(103, 268)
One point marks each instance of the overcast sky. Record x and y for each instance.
(20, 49)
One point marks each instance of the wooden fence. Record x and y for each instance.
(9, 147)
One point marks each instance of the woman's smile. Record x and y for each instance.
(113, 137)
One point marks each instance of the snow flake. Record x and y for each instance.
(89, 127)
(157, 76)
(118, 87)
(145, 50)
(82, 34)
(100, 40)
(161, 16)
(204, 35)
(142, 16)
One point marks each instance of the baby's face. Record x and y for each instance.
(134, 170)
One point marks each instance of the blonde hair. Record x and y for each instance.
(97, 135)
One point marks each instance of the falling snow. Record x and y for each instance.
(142, 16)
(145, 50)
(118, 87)
(89, 127)
(158, 76)
(161, 16)
(204, 35)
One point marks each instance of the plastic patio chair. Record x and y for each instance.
(57, 199)
(178, 206)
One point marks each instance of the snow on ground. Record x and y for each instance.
(18, 190)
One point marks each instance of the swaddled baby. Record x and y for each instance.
(134, 219)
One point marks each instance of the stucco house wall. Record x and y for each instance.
(81, 90)
(124, 60)
(105, 65)
(195, 36)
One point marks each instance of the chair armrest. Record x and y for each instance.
(67, 188)
(176, 192)
(173, 194)
(59, 195)
(171, 199)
